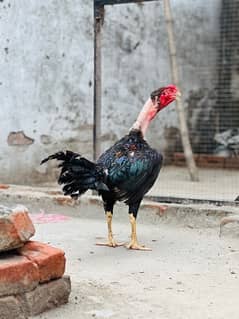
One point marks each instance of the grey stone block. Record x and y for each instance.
(11, 308)
(44, 297)
(47, 296)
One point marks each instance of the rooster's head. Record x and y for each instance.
(165, 95)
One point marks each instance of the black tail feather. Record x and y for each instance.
(60, 156)
(77, 174)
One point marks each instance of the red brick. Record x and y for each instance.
(179, 159)
(4, 186)
(23, 223)
(232, 162)
(202, 160)
(65, 200)
(15, 227)
(17, 274)
(50, 260)
(213, 161)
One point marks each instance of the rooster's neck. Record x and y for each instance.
(146, 115)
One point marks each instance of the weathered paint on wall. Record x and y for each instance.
(46, 74)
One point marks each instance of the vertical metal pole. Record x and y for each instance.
(98, 22)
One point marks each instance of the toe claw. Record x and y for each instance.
(136, 246)
(112, 244)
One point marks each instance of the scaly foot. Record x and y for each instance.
(110, 243)
(134, 242)
(135, 245)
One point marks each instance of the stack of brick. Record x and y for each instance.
(31, 273)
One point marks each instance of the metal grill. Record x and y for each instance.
(216, 131)
(211, 105)
(213, 115)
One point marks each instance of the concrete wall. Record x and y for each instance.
(46, 75)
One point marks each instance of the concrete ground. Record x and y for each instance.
(190, 272)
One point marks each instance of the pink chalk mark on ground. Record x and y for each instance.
(43, 218)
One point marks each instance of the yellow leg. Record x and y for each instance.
(111, 242)
(134, 242)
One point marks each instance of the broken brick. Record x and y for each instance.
(17, 274)
(50, 260)
(15, 227)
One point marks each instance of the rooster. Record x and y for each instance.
(124, 172)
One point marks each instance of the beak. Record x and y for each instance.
(178, 95)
